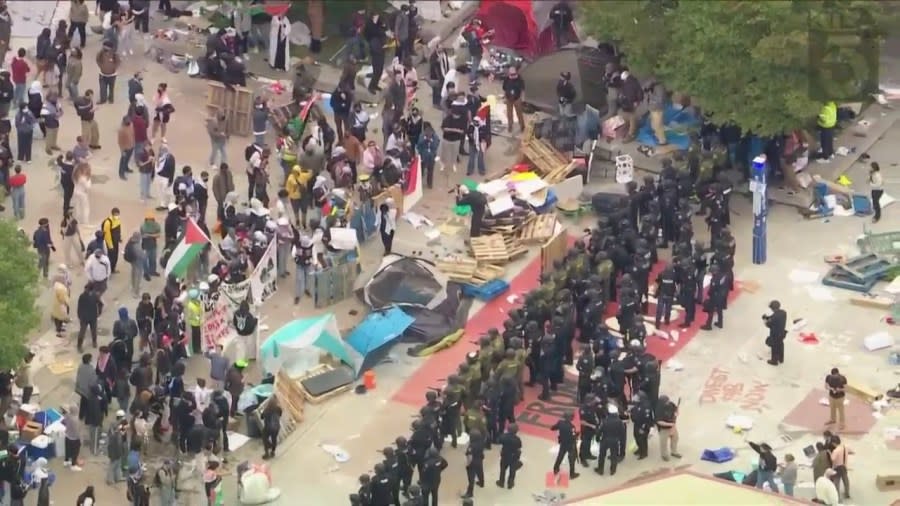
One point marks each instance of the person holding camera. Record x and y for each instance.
(777, 324)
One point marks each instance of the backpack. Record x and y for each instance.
(129, 252)
(248, 152)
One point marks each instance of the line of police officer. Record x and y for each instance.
(540, 337)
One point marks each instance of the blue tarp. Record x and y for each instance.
(372, 337)
(718, 456)
(678, 123)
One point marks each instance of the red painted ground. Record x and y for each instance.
(811, 415)
(534, 416)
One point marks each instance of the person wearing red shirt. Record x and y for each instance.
(19, 69)
(17, 192)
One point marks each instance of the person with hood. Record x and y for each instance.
(36, 102)
(297, 186)
(137, 258)
(73, 428)
(94, 413)
(116, 448)
(61, 301)
(40, 479)
(25, 121)
(165, 172)
(106, 369)
(165, 481)
(279, 43)
(88, 313)
(6, 23)
(125, 329)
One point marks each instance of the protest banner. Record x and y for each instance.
(264, 280)
(217, 327)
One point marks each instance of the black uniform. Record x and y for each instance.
(665, 295)
(715, 301)
(642, 420)
(612, 435)
(585, 367)
(687, 294)
(777, 324)
(478, 203)
(566, 438)
(380, 488)
(475, 464)
(430, 478)
(510, 453)
(589, 415)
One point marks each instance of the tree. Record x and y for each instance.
(19, 285)
(756, 64)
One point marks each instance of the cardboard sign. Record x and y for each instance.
(216, 327)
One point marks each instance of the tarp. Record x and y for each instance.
(290, 347)
(372, 338)
(402, 280)
(520, 25)
(678, 124)
(429, 325)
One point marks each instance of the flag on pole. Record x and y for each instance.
(189, 247)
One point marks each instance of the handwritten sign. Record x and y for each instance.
(264, 280)
(216, 327)
(720, 388)
(235, 293)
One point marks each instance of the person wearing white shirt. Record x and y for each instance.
(826, 492)
(202, 398)
(97, 270)
(876, 184)
(386, 223)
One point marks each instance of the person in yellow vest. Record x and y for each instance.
(112, 237)
(193, 313)
(297, 186)
(287, 153)
(826, 122)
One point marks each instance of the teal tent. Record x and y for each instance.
(302, 339)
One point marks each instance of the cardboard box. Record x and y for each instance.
(887, 482)
(30, 431)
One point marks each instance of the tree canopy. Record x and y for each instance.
(756, 64)
(19, 288)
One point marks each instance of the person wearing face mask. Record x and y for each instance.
(514, 92)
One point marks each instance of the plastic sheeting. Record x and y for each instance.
(373, 336)
(677, 123)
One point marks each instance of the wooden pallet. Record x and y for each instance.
(538, 230)
(236, 103)
(288, 424)
(490, 249)
(290, 396)
(487, 272)
(315, 371)
(514, 247)
(560, 174)
(458, 269)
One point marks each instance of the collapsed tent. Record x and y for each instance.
(402, 280)
(423, 292)
(372, 338)
(295, 347)
(520, 25)
(678, 122)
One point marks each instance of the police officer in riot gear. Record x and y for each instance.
(665, 295)
(612, 436)
(510, 456)
(589, 415)
(565, 436)
(585, 367)
(642, 420)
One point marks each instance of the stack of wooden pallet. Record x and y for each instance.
(235, 102)
(538, 230)
(496, 249)
(290, 396)
(469, 271)
(547, 161)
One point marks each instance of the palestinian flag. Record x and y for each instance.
(189, 247)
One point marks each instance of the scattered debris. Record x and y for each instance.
(878, 341)
(808, 338)
(338, 453)
(739, 423)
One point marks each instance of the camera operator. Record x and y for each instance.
(777, 324)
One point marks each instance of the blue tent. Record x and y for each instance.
(678, 124)
(372, 337)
